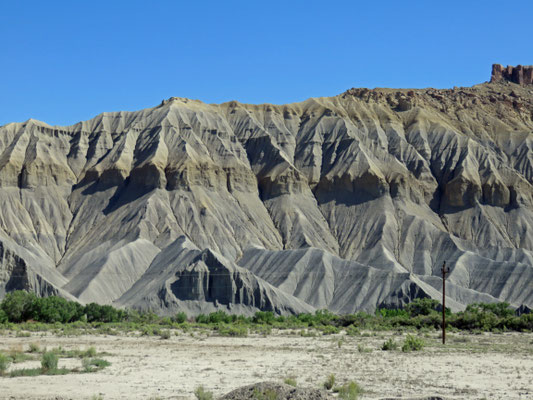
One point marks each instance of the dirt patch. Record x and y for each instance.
(468, 367)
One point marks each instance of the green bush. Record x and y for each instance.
(90, 352)
(19, 305)
(324, 317)
(218, 317)
(264, 317)
(202, 319)
(34, 348)
(501, 310)
(4, 363)
(329, 330)
(49, 361)
(202, 394)
(180, 317)
(232, 330)
(103, 313)
(349, 391)
(56, 309)
(391, 313)
(352, 330)
(389, 345)
(412, 343)
(3, 316)
(422, 307)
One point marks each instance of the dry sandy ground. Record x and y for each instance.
(469, 367)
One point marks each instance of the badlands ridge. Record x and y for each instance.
(348, 203)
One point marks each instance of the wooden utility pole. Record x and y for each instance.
(444, 271)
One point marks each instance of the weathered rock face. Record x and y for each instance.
(522, 75)
(347, 203)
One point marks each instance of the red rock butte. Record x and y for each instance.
(521, 74)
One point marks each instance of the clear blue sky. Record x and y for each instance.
(66, 61)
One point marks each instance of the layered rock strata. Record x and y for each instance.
(347, 202)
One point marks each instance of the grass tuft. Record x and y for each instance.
(290, 381)
(4, 363)
(202, 394)
(330, 382)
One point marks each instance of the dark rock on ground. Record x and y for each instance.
(283, 392)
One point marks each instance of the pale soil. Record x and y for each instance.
(469, 367)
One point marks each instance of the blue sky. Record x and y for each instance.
(62, 62)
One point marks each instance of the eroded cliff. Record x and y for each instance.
(347, 202)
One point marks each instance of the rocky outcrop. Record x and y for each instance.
(521, 74)
(346, 202)
(278, 391)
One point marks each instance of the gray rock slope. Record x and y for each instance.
(347, 202)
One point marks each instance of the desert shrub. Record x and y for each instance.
(264, 330)
(49, 361)
(392, 313)
(180, 317)
(307, 333)
(34, 348)
(147, 330)
(94, 364)
(363, 320)
(232, 330)
(165, 334)
(501, 310)
(290, 381)
(86, 364)
(329, 330)
(412, 343)
(389, 345)
(349, 391)
(346, 320)
(90, 352)
(202, 319)
(202, 394)
(330, 382)
(352, 330)
(324, 317)
(4, 363)
(306, 318)
(363, 349)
